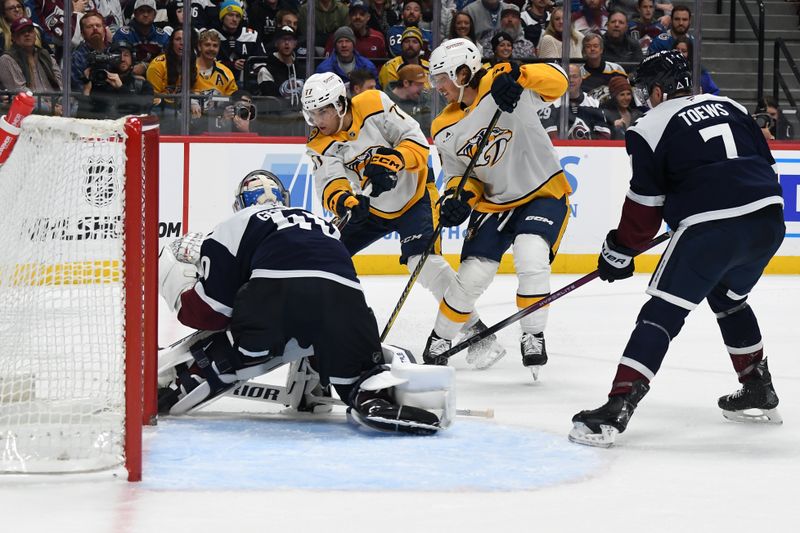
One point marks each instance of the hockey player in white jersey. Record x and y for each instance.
(371, 164)
(270, 278)
(518, 194)
(701, 164)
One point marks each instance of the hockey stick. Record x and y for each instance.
(432, 243)
(538, 305)
(276, 394)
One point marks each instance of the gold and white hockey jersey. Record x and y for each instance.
(339, 159)
(519, 162)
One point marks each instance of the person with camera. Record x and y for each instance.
(113, 90)
(94, 33)
(236, 117)
(772, 121)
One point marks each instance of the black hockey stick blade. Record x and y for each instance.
(538, 305)
(432, 243)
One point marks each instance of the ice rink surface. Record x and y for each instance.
(679, 467)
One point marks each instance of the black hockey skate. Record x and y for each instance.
(534, 352)
(600, 426)
(485, 352)
(434, 348)
(756, 401)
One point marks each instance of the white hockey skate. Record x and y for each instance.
(486, 352)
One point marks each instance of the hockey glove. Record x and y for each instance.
(615, 261)
(357, 204)
(382, 169)
(506, 91)
(454, 211)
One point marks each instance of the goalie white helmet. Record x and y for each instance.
(260, 187)
(322, 90)
(450, 56)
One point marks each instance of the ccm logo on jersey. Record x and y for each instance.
(411, 238)
(536, 218)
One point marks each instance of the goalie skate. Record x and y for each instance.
(485, 352)
(755, 402)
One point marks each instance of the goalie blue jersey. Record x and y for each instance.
(695, 159)
(262, 241)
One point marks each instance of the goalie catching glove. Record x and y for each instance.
(615, 261)
(178, 265)
(382, 169)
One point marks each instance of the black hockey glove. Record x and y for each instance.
(357, 204)
(506, 91)
(382, 170)
(615, 261)
(454, 211)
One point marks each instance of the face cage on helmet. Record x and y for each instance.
(247, 198)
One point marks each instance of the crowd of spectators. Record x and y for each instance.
(250, 57)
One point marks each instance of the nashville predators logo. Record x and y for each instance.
(358, 163)
(495, 146)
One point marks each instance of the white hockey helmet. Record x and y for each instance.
(260, 187)
(451, 55)
(321, 90)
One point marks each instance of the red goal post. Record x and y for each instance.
(78, 295)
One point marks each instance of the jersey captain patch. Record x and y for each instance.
(495, 147)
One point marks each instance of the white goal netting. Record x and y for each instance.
(62, 331)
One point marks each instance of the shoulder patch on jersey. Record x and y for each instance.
(449, 116)
(664, 36)
(125, 30)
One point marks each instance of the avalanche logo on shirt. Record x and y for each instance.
(495, 146)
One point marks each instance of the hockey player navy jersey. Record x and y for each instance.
(262, 241)
(695, 159)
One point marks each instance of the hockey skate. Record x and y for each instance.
(434, 348)
(600, 426)
(756, 401)
(485, 352)
(534, 352)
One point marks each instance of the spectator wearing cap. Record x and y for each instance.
(596, 71)
(411, 94)
(113, 90)
(370, 43)
(147, 40)
(344, 58)
(486, 15)
(618, 46)
(535, 19)
(410, 54)
(362, 80)
(238, 41)
(93, 31)
(381, 16)
(262, 15)
(26, 66)
(329, 16)
(282, 75)
(619, 109)
(513, 36)
(411, 17)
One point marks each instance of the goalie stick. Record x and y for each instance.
(432, 243)
(538, 305)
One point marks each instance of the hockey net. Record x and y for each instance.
(78, 247)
